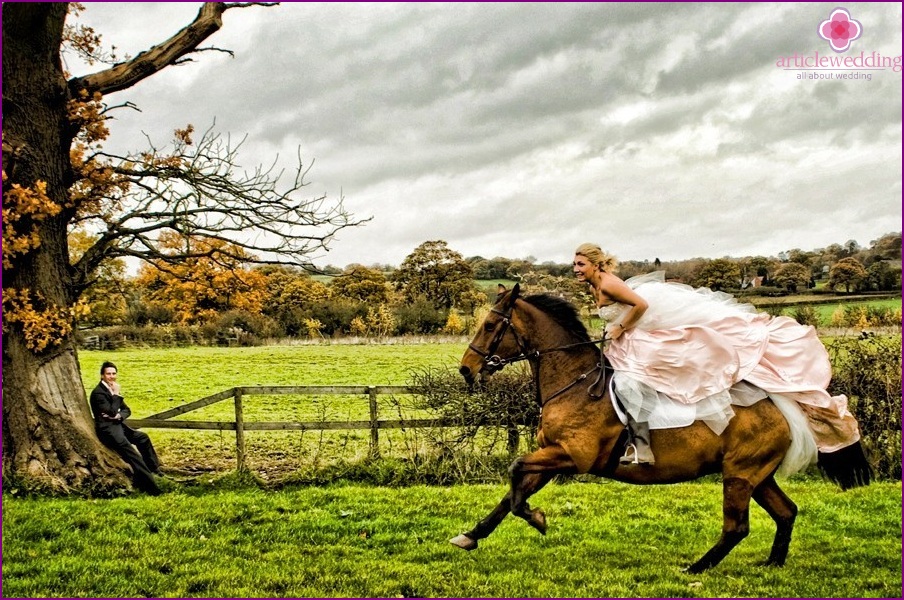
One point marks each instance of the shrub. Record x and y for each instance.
(770, 291)
(867, 369)
(508, 399)
(335, 315)
(257, 325)
(862, 316)
(454, 323)
(419, 317)
(806, 315)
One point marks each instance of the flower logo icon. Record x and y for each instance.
(839, 30)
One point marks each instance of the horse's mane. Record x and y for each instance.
(562, 312)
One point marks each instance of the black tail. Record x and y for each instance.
(847, 467)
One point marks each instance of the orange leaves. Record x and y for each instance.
(87, 114)
(184, 135)
(96, 182)
(23, 208)
(43, 323)
(199, 288)
(84, 40)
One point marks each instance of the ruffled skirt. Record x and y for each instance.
(695, 353)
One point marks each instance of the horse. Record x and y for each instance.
(580, 431)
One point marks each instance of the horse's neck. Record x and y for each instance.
(559, 368)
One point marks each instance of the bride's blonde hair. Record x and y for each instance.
(593, 253)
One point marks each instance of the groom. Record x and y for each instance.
(110, 412)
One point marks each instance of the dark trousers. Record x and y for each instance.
(144, 462)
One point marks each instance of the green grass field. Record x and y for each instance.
(216, 535)
(605, 540)
(154, 380)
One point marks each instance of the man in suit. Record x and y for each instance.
(110, 412)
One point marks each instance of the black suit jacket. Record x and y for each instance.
(105, 406)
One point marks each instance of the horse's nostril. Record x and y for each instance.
(466, 371)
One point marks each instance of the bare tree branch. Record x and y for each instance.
(170, 52)
(198, 191)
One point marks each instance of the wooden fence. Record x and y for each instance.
(374, 424)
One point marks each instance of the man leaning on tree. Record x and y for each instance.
(110, 412)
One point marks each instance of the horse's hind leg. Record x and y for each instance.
(783, 511)
(736, 494)
(468, 540)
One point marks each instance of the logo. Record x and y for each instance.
(839, 30)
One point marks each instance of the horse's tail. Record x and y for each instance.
(847, 467)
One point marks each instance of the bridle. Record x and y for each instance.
(494, 362)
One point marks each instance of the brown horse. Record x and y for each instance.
(580, 431)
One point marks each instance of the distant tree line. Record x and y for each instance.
(215, 297)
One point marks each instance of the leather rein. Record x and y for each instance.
(496, 362)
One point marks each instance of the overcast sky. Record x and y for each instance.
(516, 130)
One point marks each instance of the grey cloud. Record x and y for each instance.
(515, 129)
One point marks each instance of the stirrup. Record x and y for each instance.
(630, 456)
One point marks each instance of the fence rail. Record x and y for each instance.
(162, 420)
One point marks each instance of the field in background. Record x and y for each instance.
(157, 379)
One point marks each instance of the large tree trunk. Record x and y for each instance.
(49, 442)
(48, 434)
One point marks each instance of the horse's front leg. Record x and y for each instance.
(486, 526)
(529, 474)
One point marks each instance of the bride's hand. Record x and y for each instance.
(614, 330)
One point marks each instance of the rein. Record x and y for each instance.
(496, 362)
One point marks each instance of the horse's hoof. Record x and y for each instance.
(538, 521)
(695, 569)
(463, 542)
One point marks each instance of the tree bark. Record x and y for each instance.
(48, 434)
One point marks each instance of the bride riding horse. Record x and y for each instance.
(581, 432)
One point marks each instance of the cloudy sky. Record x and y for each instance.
(516, 130)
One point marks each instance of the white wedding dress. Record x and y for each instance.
(696, 353)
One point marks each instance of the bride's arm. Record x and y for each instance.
(616, 289)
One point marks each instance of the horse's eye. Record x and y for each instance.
(489, 326)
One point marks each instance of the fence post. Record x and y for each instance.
(374, 429)
(239, 430)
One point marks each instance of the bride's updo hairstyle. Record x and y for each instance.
(593, 253)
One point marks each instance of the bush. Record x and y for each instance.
(867, 369)
(245, 324)
(419, 317)
(335, 315)
(766, 290)
(862, 316)
(806, 315)
(508, 399)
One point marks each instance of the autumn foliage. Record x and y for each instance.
(200, 288)
(44, 323)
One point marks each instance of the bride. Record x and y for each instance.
(682, 354)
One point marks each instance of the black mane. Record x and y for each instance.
(562, 312)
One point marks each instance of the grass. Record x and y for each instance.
(157, 379)
(220, 537)
(605, 540)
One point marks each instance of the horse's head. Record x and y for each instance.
(496, 341)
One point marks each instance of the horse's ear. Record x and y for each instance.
(514, 295)
(500, 289)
